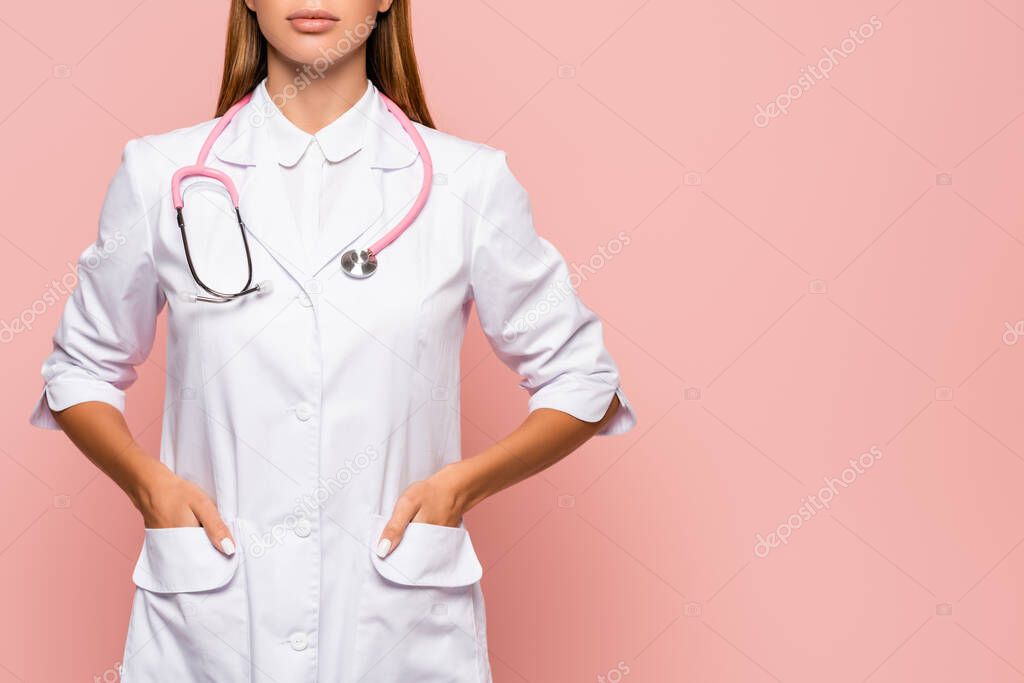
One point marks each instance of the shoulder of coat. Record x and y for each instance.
(462, 163)
(153, 159)
(173, 149)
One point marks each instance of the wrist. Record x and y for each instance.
(461, 482)
(145, 481)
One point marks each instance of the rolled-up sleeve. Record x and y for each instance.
(530, 312)
(109, 321)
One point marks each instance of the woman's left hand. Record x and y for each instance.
(436, 500)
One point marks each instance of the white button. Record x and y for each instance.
(299, 642)
(303, 411)
(303, 528)
(313, 286)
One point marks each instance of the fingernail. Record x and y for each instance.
(383, 547)
(228, 546)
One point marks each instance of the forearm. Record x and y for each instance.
(544, 438)
(164, 499)
(101, 433)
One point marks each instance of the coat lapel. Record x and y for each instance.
(245, 154)
(358, 211)
(267, 213)
(374, 202)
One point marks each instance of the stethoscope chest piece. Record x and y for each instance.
(359, 264)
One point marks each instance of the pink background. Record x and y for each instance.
(792, 295)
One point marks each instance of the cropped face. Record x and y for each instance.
(317, 32)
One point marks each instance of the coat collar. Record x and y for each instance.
(382, 136)
(246, 143)
(338, 140)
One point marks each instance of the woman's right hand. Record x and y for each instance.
(166, 501)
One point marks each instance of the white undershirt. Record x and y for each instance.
(316, 169)
(305, 183)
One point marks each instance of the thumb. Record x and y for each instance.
(216, 530)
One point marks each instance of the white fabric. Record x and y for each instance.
(307, 411)
(316, 168)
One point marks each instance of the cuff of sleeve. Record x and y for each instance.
(585, 403)
(60, 394)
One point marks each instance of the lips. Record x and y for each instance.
(312, 14)
(312, 20)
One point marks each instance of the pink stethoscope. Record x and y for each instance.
(357, 263)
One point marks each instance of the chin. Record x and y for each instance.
(317, 50)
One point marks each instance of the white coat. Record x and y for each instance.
(307, 411)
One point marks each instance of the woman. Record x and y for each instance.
(304, 520)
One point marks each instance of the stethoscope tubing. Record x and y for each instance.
(428, 178)
(219, 297)
(201, 169)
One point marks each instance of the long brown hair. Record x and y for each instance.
(390, 60)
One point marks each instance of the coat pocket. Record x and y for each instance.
(190, 618)
(420, 615)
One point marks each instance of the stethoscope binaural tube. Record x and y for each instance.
(200, 169)
(215, 296)
(355, 263)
